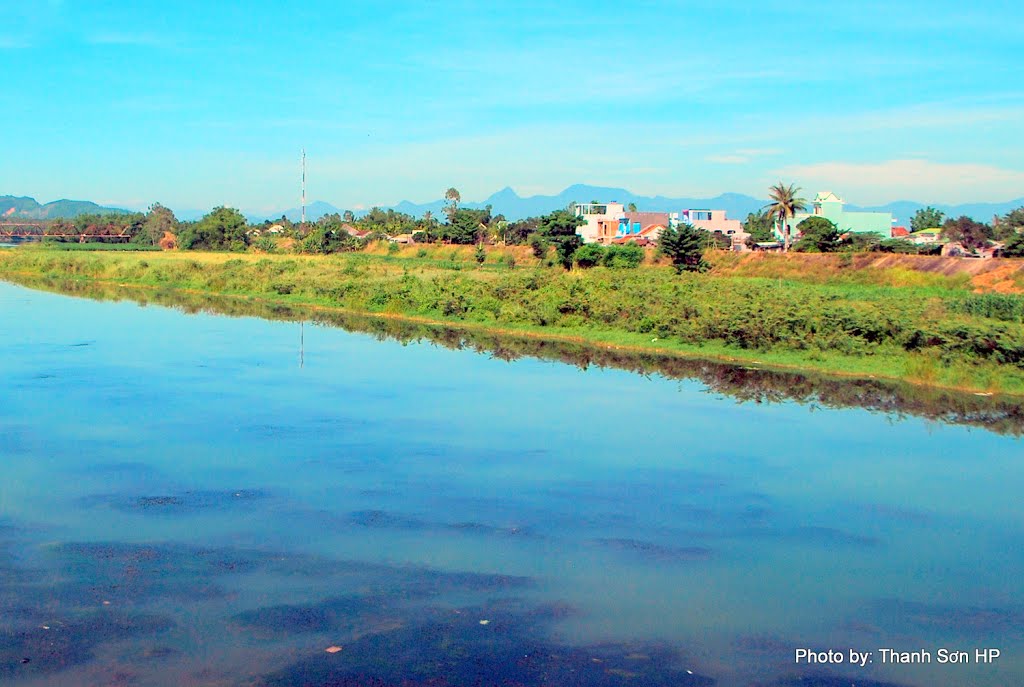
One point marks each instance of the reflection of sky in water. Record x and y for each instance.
(661, 512)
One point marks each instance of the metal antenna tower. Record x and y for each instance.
(303, 187)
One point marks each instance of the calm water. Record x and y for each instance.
(191, 499)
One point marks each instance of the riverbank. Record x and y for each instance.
(927, 328)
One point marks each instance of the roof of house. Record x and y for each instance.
(827, 197)
(647, 218)
(900, 231)
(931, 231)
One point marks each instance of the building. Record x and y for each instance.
(602, 221)
(648, 225)
(926, 236)
(830, 206)
(716, 221)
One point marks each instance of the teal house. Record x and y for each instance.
(830, 206)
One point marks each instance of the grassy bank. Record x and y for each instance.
(925, 327)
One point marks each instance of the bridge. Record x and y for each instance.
(16, 232)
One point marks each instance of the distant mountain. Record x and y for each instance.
(513, 206)
(314, 211)
(15, 207)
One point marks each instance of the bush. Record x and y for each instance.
(629, 255)
(480, 255)
(265, 244)
(538, 245)
(589, 255)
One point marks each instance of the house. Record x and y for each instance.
(352, 231)
(716, 221)
(926, 236)
(899, 233)
(401, 238)
(648, 225)
(830, 206)
(602, 220)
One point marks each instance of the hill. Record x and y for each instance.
(23, 207)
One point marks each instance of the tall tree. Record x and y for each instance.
(222, 229)
(817, 235)
(785, 204)
(159, 220)
(759, 226)
(559, 228)
(926, 218)
(684, 245)
(1010, 224)
(970, 234)
(452, 199)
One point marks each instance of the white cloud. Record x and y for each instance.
(921, 180)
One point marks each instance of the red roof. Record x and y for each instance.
(900, 231)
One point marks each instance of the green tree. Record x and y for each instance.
(759, 226)
(1014, 247)
(538, 245)
(452, 199)
(158, 221)
(559, 228)
(518, 232)
(970, 234)
(1010, 224)
(862, 242)
(465, 225)
(222, 229)
(785, 204)
(926, 218)
(631, 207)
(684, 245)
(817, 235)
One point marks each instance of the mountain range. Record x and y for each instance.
(22, 207)
(737, 205)
(513, 206)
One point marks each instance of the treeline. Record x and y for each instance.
(227, 229)
(819, 235)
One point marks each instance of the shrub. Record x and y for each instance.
(538, 245)
(629, 255)
(589, 255)
(265, 244)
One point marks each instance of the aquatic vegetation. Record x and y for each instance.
(62, 644)
(501, 645)
(180, 502)
(656, 551)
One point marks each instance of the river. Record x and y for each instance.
(197, 499)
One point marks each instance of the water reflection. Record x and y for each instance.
(1003, 415)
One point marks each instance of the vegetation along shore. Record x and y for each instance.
(927, 320)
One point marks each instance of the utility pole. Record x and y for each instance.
(303, 223)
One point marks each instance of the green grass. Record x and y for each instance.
(930, 330)
(92, 246)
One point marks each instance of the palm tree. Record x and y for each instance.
(784, 205)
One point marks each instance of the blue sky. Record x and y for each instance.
(196, 104)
